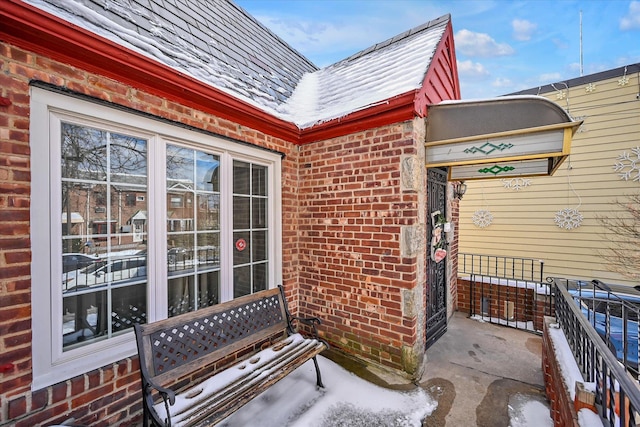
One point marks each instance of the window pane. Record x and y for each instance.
(250, 224)
(129, 306)
(241, 281)
(209, 284)
(193, 223)
(74, 215)
(180, 168)
(128, 159)
(241, 178)
(259, 245)
(83, 318)
(208, 178)
(208, 212)
(241, 249)
(259, 212)
(180, 253)
(260, 278)
(259, 180)
(181, 295)
(104, 262)
(84, 152)
(241, 212)
(180, 213)
(208, 250)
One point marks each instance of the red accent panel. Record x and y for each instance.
(441, 80)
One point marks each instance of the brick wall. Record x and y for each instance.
(107, 396)
(563, 411)
(528, 305)
(353, 273)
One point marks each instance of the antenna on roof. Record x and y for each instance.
(581, 61)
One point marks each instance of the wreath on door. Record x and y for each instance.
(438, 241)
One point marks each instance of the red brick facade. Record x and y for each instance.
(343, 212)
(107, 396)
(352, 270)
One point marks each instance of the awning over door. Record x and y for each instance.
(498, 138)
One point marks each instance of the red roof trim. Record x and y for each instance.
(31, 28)
(394, 110)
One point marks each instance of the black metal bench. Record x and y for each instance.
(240, 347)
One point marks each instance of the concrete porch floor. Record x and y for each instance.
(477, 370)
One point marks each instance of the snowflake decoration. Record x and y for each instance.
(482, 218)
(568, 218)
(516, 184)
(628, 165)
(560, 94)
(624, 80)
(591, 87)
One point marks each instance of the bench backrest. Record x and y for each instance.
(176, 346)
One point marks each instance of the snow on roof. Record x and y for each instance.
(220, 44)
(388, 69)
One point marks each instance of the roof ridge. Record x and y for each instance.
(396, 38)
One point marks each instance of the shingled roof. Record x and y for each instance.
(220, 44)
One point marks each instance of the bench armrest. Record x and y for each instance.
(309, 321)
(168, 397)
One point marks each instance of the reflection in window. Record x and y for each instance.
(103, 227)
(193, 229)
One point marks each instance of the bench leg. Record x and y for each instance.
(318, 376)
(145, 415)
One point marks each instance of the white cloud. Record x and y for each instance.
(632, 20)
(480, 45)
(560, 44)
(523, 29)
(549, 77)
(502, 82)
(472, 70)
(310, 34)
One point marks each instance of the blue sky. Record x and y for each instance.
(501, 46)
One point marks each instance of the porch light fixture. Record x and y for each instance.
(498, 138)
(459, 189)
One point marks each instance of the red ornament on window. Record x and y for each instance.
(241, 245)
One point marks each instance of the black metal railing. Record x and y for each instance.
(587, 312)
(505, 290)
(505, 267)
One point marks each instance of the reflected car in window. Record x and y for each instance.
(106, 271)
(73, 261)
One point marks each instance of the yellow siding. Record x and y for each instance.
(523, 221)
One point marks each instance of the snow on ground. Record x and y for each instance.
(349, 401)
(524, 412)
(346, 401)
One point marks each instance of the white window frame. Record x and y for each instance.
(50, 364)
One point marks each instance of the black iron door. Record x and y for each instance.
(436, 267)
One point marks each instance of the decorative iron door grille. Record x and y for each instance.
(436, 271)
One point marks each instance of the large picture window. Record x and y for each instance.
(148, 220)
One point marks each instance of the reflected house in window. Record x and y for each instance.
(70, 221)
(138, 224)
